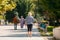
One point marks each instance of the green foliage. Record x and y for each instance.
(36, 6)
(23, 7)
(9, 15)
(6, 5)
(50, 28)
(51, 6)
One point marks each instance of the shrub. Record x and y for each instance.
(50, 28)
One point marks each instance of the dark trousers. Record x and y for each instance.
(15, 26)
(29, 27)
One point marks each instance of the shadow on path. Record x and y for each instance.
(21, 30)
(20, 35)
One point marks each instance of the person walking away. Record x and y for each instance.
(22, 22)
(15, 21)
(29, 22)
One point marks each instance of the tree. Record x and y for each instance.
(52, 6)
(6, 5)
(6, 8)
(9, 15)
(25, 6)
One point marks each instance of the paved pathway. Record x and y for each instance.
(8, 33)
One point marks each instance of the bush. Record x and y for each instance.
(50, 28)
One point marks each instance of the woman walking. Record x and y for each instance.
(22, 21)
(29, 23)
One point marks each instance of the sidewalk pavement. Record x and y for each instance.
(8, 33)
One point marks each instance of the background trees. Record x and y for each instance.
(50, 9)
(52, 6)
(23, 7)
(6, 5)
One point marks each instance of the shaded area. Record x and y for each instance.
(21, 30)
(21, 35)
